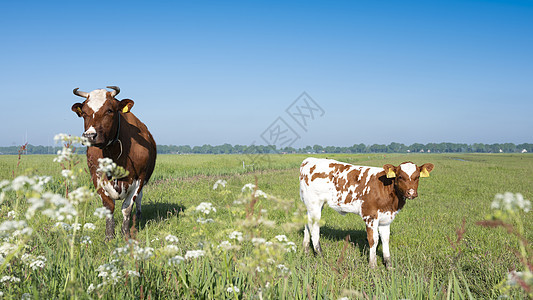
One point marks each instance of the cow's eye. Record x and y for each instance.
(109, 111)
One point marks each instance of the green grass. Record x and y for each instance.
(461, 187)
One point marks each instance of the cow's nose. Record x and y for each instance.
(91, 136)
(412, 193)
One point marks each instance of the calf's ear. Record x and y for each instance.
(390, 170)
(125, 105)
(77, 108)
(425, 169)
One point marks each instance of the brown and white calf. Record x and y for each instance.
(376, 194)
(116, 133)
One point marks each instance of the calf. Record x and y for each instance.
(116, 133)
(376, 194)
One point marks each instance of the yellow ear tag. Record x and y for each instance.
(79, 109)
(424, 173)
(391, 174)
(125, 109)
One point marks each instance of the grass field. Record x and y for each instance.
(428, 264)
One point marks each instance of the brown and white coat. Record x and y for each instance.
(376, 194)
(116, 133)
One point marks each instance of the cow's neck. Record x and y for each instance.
(399, 200)
(117, 135)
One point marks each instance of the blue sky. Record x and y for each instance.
(214, 72)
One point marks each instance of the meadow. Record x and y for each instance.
(242, 245)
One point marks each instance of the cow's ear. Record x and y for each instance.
(125, 105)
(390, 170)
(425, 169)
(77, 108)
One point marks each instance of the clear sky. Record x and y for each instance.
(214, 72)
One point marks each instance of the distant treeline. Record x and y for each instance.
(357, 148)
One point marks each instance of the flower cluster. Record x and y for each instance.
(206, 208)
(34, 262)
(219, 182)
(510, 202)
(109, 168)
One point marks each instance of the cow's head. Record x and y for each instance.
(101, 113)
(406, 176)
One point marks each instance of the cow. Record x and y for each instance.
(114, 132)
(376, 194)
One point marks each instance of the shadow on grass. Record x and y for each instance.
(357, 239)
(158, 211)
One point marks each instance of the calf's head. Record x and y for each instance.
(101, 113)
(406, 176)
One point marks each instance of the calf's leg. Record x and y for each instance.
(373, 237)
(384, 233)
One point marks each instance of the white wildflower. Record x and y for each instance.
(25, 296)
(106, 166)
(249, 186)
(172, 248)
(219, 182)
(86, 240)
(65, 154)
(281, 238)
(103, 212)
(143, 253)
(63, 225)
(10, 228)
(225, 245)
(68, 174)
(283, 268)
(155, 239)
(290, 247)
(171, 238)
(233, 289)
(91, 288)
(260, 193)
(258, 241)
(204, 221)
(38, 263)
(35, 205)
(258, 269)
(511, 202)
(89, 226)
(109, 273)
(206, 208)
(7, 248)
(80, 195)
(236, 235)
(175, 260)
(133, 273)
(8, 278)
(194, 254)
(12, 214)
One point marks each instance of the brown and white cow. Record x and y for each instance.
(376, 194)
(116, 133)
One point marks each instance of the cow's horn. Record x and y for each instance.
(80, 93)
(116, 90)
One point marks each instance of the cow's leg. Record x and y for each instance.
(373, 237)
(127, 206)
(138, 207)
(109, 222)
(384, 233)
(314, 216)
(307, 238)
